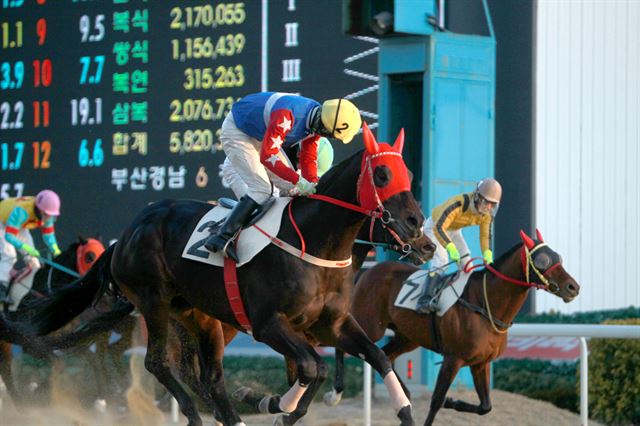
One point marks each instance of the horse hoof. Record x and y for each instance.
(281, 420)
(332, 398)
(405, 416)
(241, 393)
(449, 403)
(100, 405)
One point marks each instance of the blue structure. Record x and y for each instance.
(440, 88)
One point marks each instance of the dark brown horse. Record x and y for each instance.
(288, 300)
(474, 331)
(82, 252)
(373, 233)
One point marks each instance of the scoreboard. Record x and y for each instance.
(118, 103)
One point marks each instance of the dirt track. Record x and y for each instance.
(508, 410)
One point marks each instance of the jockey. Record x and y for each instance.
(17, 217)
(444, 227)
(324, 161)
(253, 136)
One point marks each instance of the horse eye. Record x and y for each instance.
(542, 261)
(89, 257)
(381, 176)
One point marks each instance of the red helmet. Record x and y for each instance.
(48, 202)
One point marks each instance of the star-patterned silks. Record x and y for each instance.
(273, 159)
(276, 142)
(285, 125)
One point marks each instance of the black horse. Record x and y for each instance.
(78, 257)
(81, 252)
(288, 301)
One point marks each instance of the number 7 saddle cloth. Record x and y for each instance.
(250, 241)
(413, 287)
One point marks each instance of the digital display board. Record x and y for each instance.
(118, 103)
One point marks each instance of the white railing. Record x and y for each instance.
(582, 331)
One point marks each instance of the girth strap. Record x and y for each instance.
(233, 293)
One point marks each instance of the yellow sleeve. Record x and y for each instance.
(485, 233)
(444, 220)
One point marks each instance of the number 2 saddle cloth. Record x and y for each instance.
(250, 241)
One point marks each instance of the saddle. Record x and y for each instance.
(257, 214)
(436, 283)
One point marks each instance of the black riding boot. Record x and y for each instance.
(4, 293)
(426, 302)
(223, 239)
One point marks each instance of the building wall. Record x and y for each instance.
(586, 150)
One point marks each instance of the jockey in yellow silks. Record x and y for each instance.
(444, 228)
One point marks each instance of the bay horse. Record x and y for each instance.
(287, 299)
(471, 333)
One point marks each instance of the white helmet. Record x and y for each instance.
(487, 196)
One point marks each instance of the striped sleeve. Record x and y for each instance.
(441, 223)
(16, 220)
(49, 235)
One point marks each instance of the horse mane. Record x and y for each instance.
(333, 175)
(497, 264)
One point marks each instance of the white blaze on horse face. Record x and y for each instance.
(397, 395)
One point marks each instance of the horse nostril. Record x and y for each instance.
(572, 288)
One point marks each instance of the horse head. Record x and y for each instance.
(86, 253)
(384, 185)
(543, 266)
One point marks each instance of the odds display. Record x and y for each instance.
(118, 103)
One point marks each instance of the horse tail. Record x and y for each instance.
(85, 333)
(65, 304)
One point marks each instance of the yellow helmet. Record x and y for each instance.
(341, 118)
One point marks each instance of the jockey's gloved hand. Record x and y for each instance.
(305, 187)
(56, 250)
(488, 256)
(454, 255)
(31, 251)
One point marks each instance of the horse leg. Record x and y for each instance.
(210, 354)
(278, 335)
(333, 397)
(307, 398)
(448, 371)
(99, 362)
(481, 379)
(398, 345)
(5, 372)
(352, 339)
(157, 320)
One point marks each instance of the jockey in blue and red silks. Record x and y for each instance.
(253, 137)
(17, 217)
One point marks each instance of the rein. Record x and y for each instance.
(378, 213)
(527, 262)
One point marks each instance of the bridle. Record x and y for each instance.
(528, 265)
(378, 212)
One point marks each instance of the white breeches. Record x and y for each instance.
(441, 257)
(242, 169)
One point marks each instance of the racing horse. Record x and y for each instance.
(78, 257)
(474, 331)
(373, 234)
(287, 299)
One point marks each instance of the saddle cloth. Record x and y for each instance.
(250, 242)
(413, 287)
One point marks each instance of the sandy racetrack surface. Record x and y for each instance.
(508, 410)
